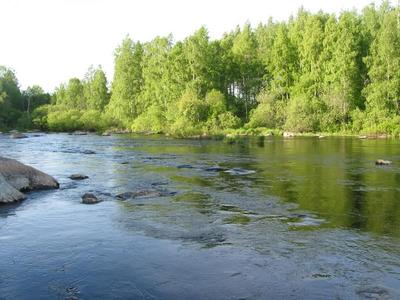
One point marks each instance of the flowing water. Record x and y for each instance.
(300, 218)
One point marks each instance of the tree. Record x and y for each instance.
(342, 69)
(383, 93)
(35, 97)
(74, 95)
(282, 64)
(11, 100)
(95, 89)
(250, 76)
(127, 83)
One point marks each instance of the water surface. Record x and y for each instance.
(300, 218)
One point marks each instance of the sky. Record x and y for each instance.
(46, 42)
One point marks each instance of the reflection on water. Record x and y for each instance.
(302, 217)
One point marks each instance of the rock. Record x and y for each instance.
(159, 183)
(382, 162)
(144, 194)
(18, 136)
(88, 152)
(240, 171)
(374, 292)
(78, 177)
(118, 131)
(215, 169)
(89, 198)
(321, 136)
(16, 177)
(185, 167)
(105, 134)
(79, 133)
(362, 137)
(137, 194)
(288, 134)
(8, 193)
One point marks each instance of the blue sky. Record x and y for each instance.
(49, 41)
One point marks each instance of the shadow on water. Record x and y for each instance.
(7, 210)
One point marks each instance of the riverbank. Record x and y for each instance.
(224, 134)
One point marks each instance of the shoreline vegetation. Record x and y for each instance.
(315, 74)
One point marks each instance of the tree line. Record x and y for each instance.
(316, 72)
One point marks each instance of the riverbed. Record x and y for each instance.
(280, 218)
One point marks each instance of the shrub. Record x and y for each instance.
(152, 120)
(269, 113)
(303, 115)
(64, 120)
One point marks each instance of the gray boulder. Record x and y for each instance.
(16, 177)
(9, 194)
(78, 177)
(18, 136)
(89, 198)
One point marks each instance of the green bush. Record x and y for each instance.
(93, 120)
(303, 115)
(69, 120)
(152, 120)
(39, 117)
(269, 113)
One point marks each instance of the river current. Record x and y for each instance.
(297, 218)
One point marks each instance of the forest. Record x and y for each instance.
(315, 72)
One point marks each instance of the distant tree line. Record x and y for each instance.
(16, 106)
(314, 73)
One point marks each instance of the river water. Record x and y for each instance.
(300, 218)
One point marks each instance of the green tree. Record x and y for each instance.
(95, 89)
(127, 83)
(342, 69)
(249, 79)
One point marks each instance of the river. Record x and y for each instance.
(300, 218)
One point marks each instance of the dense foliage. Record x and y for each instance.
(313, 73)
(16, 106)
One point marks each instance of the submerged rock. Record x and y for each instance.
(382, 162)
(78, 132)
(215, 169)
(186, 166)
(144, 194)
(88, 152)
(16, 177)
(374, 292)
(18, 136)
(239, 171)
(137, 194)
(89, 198)
(78, 177)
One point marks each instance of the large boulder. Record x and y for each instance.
(16, 177)
(8, 193)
